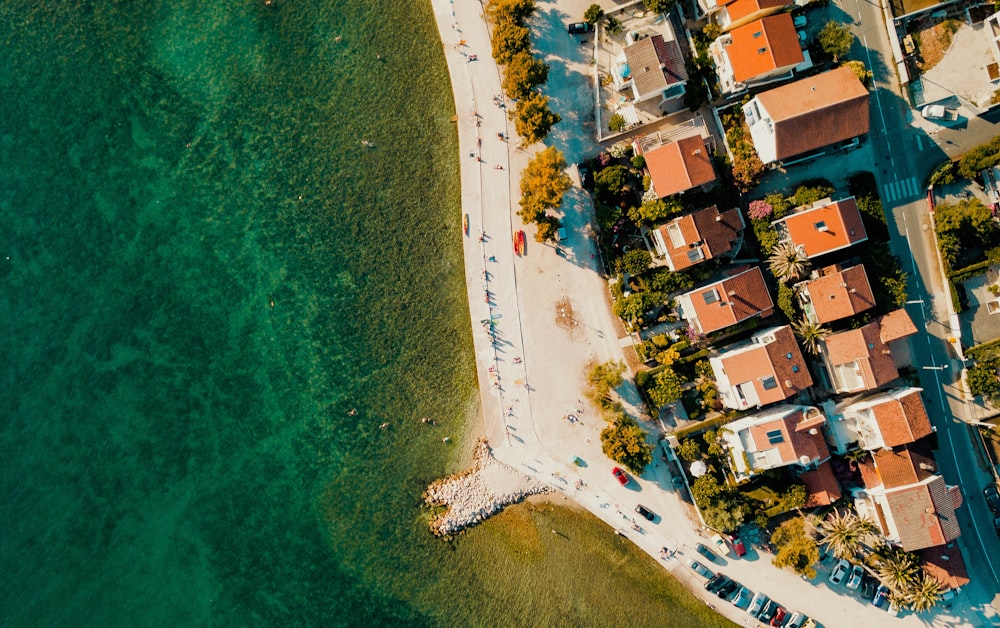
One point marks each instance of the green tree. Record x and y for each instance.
(658, 6)
(787, 301)
(533, 119)
(923, 593)
(846, 534)
(666, 281)
(638, 162)
(602, 378)
(616, 123)
(725, 515)
(898, 569)
(983, 380)
(712, 438)
(513, 11)
(795, 497)
(632, 308)
(509, 39)
(594, 14)
(547, 228)
(788, 261)
(796, 548)
(812, 191)
(523, 74)
(836, 40)
(544, 179)
(652, 211)
(636, 261)
(625, 443)
(667, 387)
(810, 334)
(610, 183)
(689, 449)
(705, 489)
(979, 158)
(863, 73)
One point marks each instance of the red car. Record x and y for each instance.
(620, 475)
(738, 546)
(779, 617)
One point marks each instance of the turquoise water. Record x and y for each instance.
(202, 270)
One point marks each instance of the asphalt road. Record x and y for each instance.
(904, 155)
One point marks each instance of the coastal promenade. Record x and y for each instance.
(550, 317)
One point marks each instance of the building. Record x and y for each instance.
(866, 358)
(728, 301)
(807, 115)
(678, 166)
(907, 499)
(765, 369)
(834, 293)
(757, 53)
(883, 421)
(739, 12)
(784, 436)
(698, 236)
(822, 488)
(823, 227)
(651, 66)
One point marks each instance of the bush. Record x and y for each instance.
(667, 387)
(944, 174)
(616, 123)
(653, 211)
(593, 14)
(666, 281)
(638, 162)
(636, 261)
(982, 379)
(808, 194)
(759, 210)
(864, 74)
(767, 237)
(779, 204)
(787, 302)
(610, 183)
(979, 158)
(689, 449)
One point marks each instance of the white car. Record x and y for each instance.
(756, 604)
(839, 571)
(796, 621)
(855, 580)
(720, 544)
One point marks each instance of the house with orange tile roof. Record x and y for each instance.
(907, 499)
(739, 12)
(651, 66)
(823, 227)
(699, 236)
(822, 487)
(765, 369)
(678, 166)
(882, 421)
(782, 436)
(866, 358)
(812, 113)
(725, 302)
(945, 564)
(834, 293)
(757, 53)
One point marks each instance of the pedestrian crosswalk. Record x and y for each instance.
(904, 190)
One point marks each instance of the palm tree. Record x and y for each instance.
(924, 593)
(846, 534)
(788, 261)
(811, 334)
(898, 570)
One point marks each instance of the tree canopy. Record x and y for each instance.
(533, 119)
(513, 11)
(523, 74)
(796, 548)
(594, 14)
(509, 39)
(659, 6)
(636, 261)
(654, 210)
(836, 40)
(625, 443)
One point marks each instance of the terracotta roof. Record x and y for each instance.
(731, 300)
(902, 420)
(865, 348)
(679, 166)
(655, 63)
(903, 466)
(839, 294)
(770, 360)
(945, 563)
(739, 9)
(825, 228)
(822, 487)
(707, 230)
(817, 111)
(895, 325)
(924, 514)
(763, 46)
(794, 444)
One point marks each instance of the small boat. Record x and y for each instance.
(520, 245)
(465, 224)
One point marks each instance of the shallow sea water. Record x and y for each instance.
(178, 451)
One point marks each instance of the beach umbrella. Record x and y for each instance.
(699, 468)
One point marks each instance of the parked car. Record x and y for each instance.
(717, 583)
(939, 112)
(868, 585)
(854, 582)
(800, 21)
(720, 544)
(738, 547)
(742, 598)
(757, 604)
(881, 595)
(780, 616)
(810, 623)
(727, 589)
(796, 620)
(620, 475)
(839, 571)
(645, 512)
(579, 28)
(770, 610)
(992, 498)
(586, 180)
(700, 569)
(705, 551)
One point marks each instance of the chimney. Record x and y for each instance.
(853, 290)
(886, 352)
(718, 218)
(731, 293)
(926, 467)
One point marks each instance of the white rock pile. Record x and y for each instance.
(478, 493)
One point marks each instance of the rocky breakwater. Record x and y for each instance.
(478, 493)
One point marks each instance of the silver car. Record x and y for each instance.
(742, 598)
(757, 604)
(700, 569)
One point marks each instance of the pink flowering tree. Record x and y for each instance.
(759, 210)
